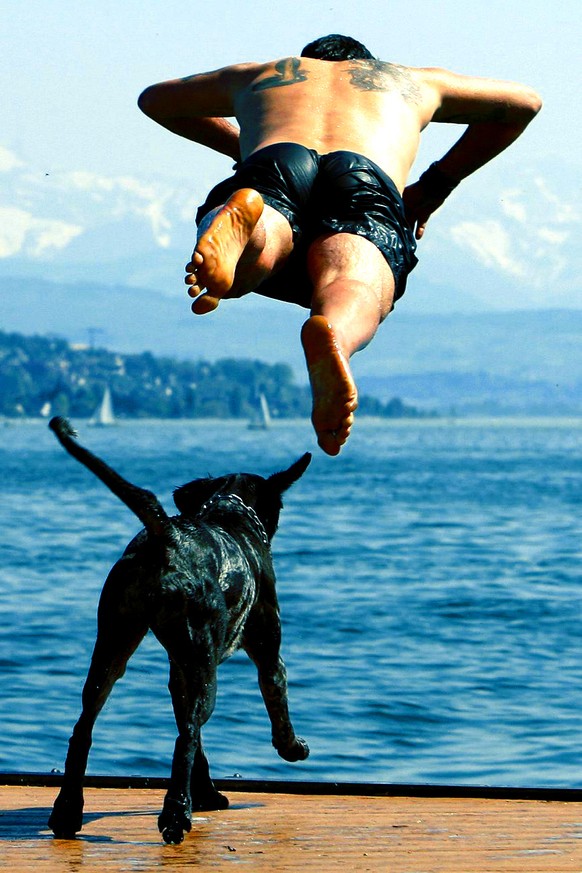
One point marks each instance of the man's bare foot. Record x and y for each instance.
(220, 246)
(335, 397)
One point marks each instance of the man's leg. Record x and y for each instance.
(353, 292)
(239, 244)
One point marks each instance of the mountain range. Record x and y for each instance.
(505, 239)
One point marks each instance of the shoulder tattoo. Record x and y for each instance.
(375, 75)
(288, 72)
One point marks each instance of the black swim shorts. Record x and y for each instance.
(340, 192)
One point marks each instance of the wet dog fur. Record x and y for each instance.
(203, 582)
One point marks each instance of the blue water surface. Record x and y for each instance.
(429, 580)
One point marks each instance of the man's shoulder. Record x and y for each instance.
(388, 77)
(240, 76)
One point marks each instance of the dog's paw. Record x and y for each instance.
(173, 821)
(297, 751)
(66, 819)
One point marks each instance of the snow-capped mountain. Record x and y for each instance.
(504, 240)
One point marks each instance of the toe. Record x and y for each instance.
(327, 441)
(204, 303)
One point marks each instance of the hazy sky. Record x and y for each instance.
(71, 73)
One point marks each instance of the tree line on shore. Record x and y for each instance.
(42, 375)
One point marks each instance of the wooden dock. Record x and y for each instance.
(298, 826)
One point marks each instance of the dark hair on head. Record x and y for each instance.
(336, 47)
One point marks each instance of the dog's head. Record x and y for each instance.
(264, 496)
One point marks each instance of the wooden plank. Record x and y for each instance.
(268, 832)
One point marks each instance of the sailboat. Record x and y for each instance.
(262, 419)
(103, 415)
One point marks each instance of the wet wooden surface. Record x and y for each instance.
(276, 831)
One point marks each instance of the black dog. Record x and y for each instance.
(203, 581)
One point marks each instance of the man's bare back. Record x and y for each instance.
(373, 108)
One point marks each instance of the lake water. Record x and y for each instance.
(429, 580)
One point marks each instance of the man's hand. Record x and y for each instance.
(425, 196)
(419, 207)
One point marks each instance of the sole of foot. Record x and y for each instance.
(222, 243)
(335, 397)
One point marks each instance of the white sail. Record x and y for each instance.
(104, 415)
(265, 412)
(262, 420)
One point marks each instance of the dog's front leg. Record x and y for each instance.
(262, 642)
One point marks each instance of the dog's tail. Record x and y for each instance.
(143, 503)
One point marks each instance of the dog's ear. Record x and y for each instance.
(190, 498)
(283, 480)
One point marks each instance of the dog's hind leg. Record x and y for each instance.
(193, 690)
(262, 643)
(114, 646)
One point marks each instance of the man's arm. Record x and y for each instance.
(197, 108)
(218, 134)
(496, 113)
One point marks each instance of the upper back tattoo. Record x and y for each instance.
(368, 75)
(373, 75)
(289, 72)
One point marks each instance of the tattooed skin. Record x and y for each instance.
(288, 73)
(364, 75)
(381, 76)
